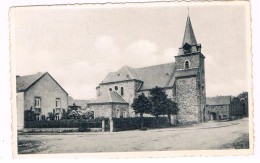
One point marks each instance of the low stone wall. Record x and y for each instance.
(49, 130)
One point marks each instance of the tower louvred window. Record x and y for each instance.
(187, 64)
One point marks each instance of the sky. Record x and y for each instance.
(79, 45)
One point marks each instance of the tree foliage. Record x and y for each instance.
(159, 101)
(141, 104)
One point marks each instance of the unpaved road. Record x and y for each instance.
(210, 135)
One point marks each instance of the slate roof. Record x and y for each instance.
(158, 75)
(189, 36)
(124, 73)
(152, 76)
(112, 97)
(24, 82)
(82, 103)
(218, 100)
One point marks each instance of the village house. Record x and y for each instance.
(182, 80)
(77, 104)
(225, 107)
(40, 93)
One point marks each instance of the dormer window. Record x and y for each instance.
(187, 64)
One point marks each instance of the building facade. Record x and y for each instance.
(225, 107)
(182, 80)
(41, 94)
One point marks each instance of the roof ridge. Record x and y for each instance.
(155, 65)
(133, 69)
(127, 68)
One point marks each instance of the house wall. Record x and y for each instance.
(20, 110)
(130, 88)
(109, 110)
(188, 101)
(220, 110)
(48, 90)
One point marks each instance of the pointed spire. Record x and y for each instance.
(189, 36)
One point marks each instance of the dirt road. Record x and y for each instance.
(210, 135)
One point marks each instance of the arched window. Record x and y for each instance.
(122, 91)
(110, 89)
(116, 88)
(187, 64)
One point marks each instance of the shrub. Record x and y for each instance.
(65, 123)
(83, 129)
(135, 123)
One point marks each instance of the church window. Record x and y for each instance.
(110, 89)
(122, 91)
(116, 88)
(187, 64)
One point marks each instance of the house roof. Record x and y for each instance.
(82, 103)
(218, 100)
(111, 97)
(25, 82)
(189, 36)
(152, 76)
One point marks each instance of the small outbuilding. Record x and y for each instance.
(110, 105)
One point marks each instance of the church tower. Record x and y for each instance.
(190, 90)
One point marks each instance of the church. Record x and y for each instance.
(183, 81)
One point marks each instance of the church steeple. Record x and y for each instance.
(189, 36)
(189, 43)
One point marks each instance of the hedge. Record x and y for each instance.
(121, 124)
(92, 123)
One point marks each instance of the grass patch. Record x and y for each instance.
(240, 143)
(29, 146)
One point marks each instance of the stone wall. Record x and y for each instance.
(188, 101)
(202, 89)
(129, 92)
(109, 110)
(20, 110)
(221, 111)
(193, 59)
(47, 90)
